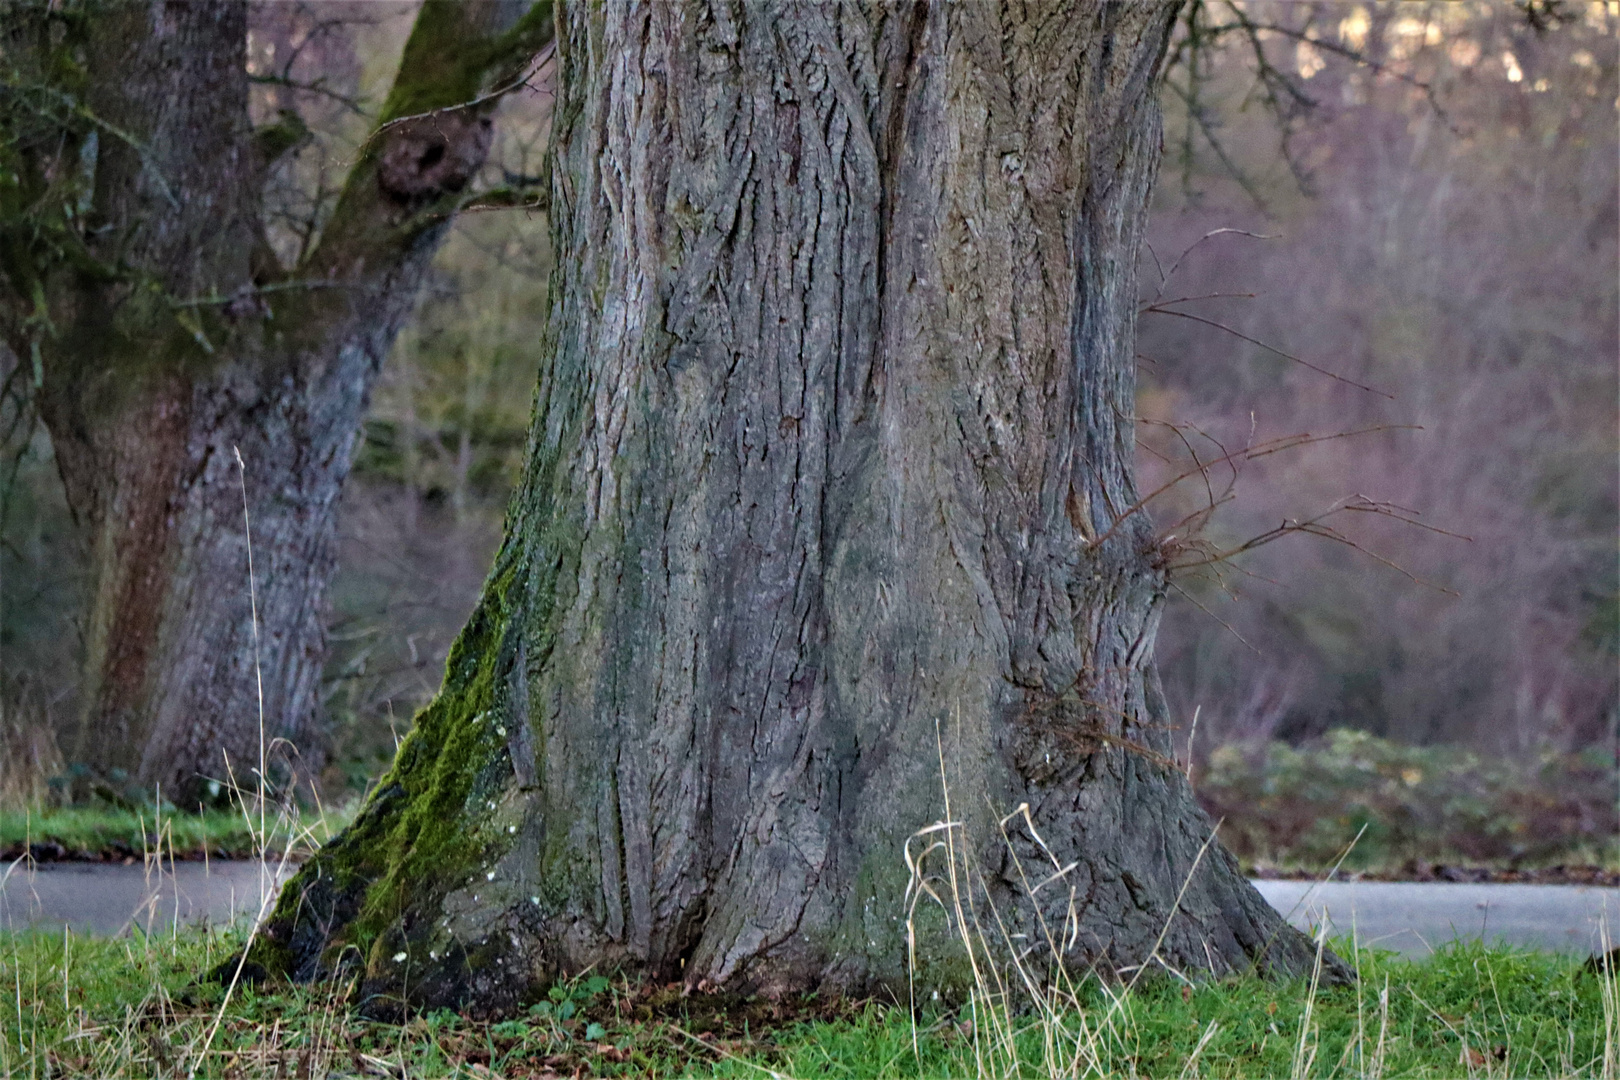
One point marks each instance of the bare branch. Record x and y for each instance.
(1164, 278)
(353, 104)
(1270, 446)
(1349, 54)
(1206, 296)
(1159, 309)
(1316, 527)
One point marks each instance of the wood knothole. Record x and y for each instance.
(433, 155)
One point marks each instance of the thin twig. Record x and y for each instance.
(1190, 598)
(1164, 278)
(541, 59)
(1270, 446)
(1159, 309)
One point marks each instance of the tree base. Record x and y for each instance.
(960, 918)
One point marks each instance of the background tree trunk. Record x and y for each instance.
(167, 338)
(826, 520)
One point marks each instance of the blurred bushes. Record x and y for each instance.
(1299, 808)
(42, 587)
(1458, 254)
(29, 759)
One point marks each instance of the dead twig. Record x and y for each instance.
(1161, 309)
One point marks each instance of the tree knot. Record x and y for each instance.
(428, 156)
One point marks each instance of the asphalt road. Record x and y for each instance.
(1409, 918)
(1415, 918)
(102, 898)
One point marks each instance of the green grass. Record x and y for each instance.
(132, 1007)
(112, 833)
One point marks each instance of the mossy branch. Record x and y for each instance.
(455, 55)
(456, 65)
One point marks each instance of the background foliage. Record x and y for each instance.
(1442, 230)
(1437, 185)
(1412, 810)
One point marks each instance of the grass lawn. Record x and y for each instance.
(132, 1007)
(114, 834)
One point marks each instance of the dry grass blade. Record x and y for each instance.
(1022, 987)
(266, 889)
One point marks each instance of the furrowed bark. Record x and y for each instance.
(164, 355)
(817, 533)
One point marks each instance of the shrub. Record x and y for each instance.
(1299, 808)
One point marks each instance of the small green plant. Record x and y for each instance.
(565, 1000)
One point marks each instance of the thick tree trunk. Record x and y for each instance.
(824, 539)
(168, 339)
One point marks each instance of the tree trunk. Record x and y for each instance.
(174, 664)
(167, 339)
(825, 537)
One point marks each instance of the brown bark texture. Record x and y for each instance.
(823, 540)
(167, 339)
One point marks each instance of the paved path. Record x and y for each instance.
(1417, 918)
(98, 898)
(1410, 918)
